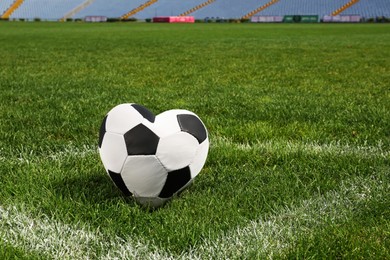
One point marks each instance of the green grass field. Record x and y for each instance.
(299, 125)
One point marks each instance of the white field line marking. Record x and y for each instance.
(278, 147)
(62, 241)
(267, 237)
(69, 151)
(288, 147)
(264, 237)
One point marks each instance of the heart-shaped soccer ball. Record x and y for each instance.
(152, 157)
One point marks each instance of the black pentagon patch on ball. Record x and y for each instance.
(140, 140)
(117, 179)
(192, 124)
(175, 181)
(144, 112)
(102, 131)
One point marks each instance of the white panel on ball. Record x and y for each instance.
(166, 123)
(144, 175)
(177, 151)
(122, 118)
(113, 152)
(200, 158)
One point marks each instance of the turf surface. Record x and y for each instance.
(294, 112)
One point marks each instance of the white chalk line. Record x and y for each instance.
(69, 151)
(270, 236)
(267, 236)
(278, 147)
(60, 240)
(315, 148)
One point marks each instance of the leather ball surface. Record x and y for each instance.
(152, 157)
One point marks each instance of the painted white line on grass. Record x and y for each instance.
(277, 147)
(57, 240)
(266, 237)
(271, 236)
(288, 147)
(69, 151)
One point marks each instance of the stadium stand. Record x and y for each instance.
(76, 10)
(236, 9)
(15, 5)
(5, 4)
(138, 9)
(344, 7)
(370, 9)
(113, 8)
(168, 8)
(194, 9)
(44, 9)
(365, 8)
(259, 9)
(229, 8)
(303, 7)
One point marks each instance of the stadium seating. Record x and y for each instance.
(229, 8)
(56, 9)
(194, 9)
(4, 5)
(12, 9)
(303, 7)
(259, 9)
(370, 9)
(139, 9)
(365, 8)
(344, 7)
(113, 8)
(44, 9)
(168, 8)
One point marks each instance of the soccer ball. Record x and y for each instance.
(152, 157)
